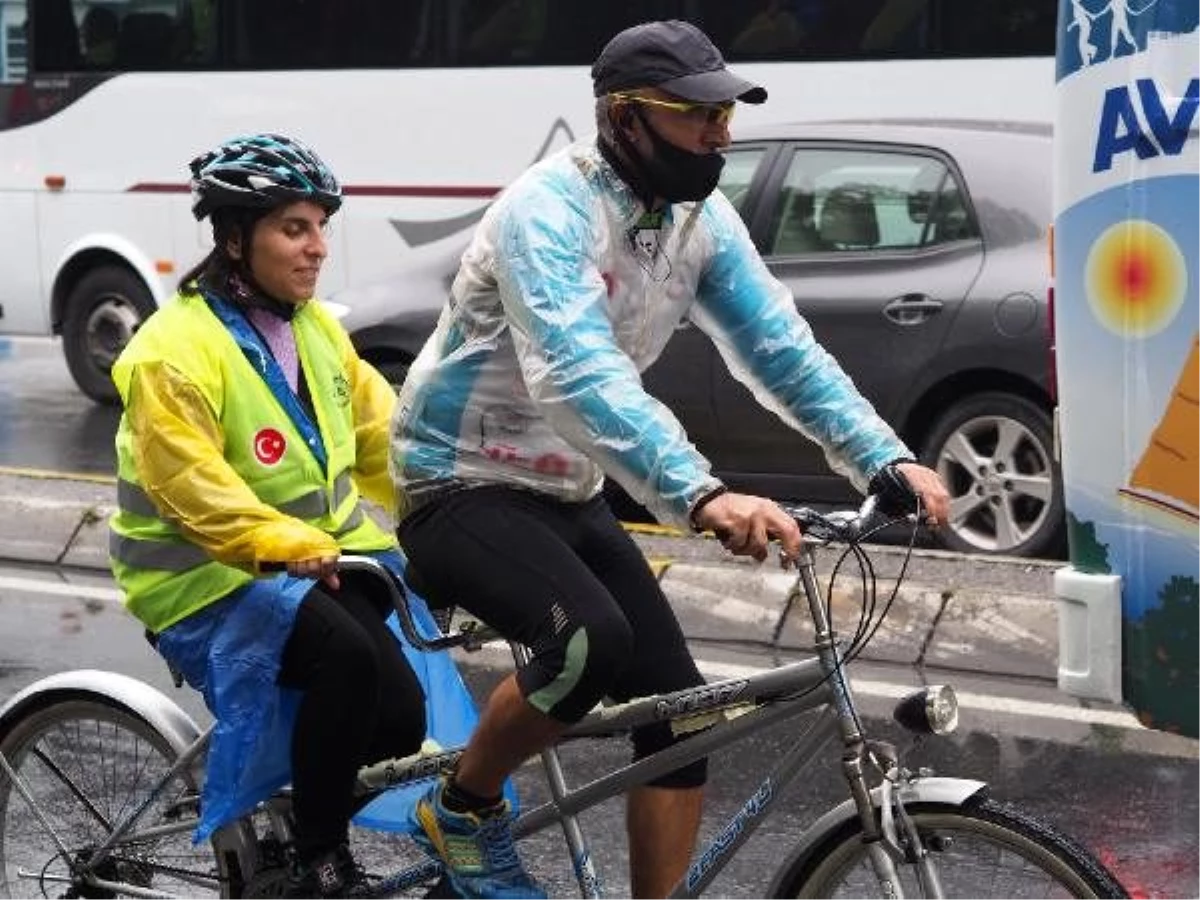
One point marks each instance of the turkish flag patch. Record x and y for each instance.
(269, 446)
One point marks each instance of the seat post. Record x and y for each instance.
(581, 857)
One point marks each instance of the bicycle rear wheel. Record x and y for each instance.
(980, 849)
(87, 764)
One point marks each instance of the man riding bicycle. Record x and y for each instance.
(529, 393)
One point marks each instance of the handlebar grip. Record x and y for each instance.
(272, 566)
(896, 495)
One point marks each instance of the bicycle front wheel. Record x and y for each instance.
(86, 765)
(980, 849)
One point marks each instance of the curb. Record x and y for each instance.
(961, 627)
(55, 520)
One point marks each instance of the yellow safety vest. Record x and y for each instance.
(165, 576)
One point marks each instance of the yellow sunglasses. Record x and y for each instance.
(712, 113)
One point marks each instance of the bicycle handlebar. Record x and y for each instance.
(846, 525)
(839, 525)
(469, 636)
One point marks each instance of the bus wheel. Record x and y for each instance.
(996, 454)
(103, 311)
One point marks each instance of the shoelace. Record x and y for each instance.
(495, 838)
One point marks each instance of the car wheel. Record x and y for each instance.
(395, 371)
(103, 311)
(996, 454)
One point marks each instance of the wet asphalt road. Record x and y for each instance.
(45, 422)
(1132, 801)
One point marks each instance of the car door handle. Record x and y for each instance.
(912, 309)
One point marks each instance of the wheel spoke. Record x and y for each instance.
(1039, 487)
(963, 506)
(1009, 436)
(70, 784)
(1009, 532)
(960, 451)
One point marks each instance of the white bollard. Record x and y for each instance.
(1089, 634)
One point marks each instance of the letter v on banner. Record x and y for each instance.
(1120, 128)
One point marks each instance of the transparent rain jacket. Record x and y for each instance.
(567, 292)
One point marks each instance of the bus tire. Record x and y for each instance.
(104, 309)
(995, 451)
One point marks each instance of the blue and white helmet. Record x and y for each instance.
(261, 171)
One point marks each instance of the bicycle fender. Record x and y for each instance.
(952, 791)
(159, 711)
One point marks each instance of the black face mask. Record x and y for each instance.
(678, 175)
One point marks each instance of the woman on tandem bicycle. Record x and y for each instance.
(250, 427)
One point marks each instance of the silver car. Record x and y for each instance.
(917, 250)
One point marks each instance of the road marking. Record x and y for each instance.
(62, 589)
(54, 475)
(1059, 712)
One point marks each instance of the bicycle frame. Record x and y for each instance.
(727, 711)
(719, 715)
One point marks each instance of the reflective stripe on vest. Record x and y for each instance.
(179, 557)
(313, 505)
(162, 555)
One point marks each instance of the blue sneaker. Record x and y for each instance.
(478, 851)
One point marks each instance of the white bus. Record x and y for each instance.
(424, 108)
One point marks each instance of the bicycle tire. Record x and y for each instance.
(992, 847)
(87, 748)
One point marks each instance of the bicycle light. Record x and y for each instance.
(931, 710)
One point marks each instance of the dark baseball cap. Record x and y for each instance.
(674, 56)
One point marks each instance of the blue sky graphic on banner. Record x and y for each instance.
(1093, 31)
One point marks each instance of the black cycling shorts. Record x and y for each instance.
(568, 582)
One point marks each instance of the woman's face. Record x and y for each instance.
(287, 250)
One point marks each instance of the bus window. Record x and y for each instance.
(301, 34)
(55, 37)
(13, 48)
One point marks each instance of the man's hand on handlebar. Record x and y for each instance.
(746, 525)
(928, 485)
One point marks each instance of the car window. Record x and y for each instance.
(848, 201)
(740, 166)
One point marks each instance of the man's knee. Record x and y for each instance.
(566, 681)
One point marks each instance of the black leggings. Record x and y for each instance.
(361, 703)
(568, 582)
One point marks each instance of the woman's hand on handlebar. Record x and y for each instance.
(323, 568)
(746, 525)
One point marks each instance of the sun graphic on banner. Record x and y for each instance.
(1136, 278)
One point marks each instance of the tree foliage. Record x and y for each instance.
(1161, 677)
(1088, 554)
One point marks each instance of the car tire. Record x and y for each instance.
(103, 310)
(995, 452)
(395, 371)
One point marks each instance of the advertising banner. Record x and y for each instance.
(1127, 171)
